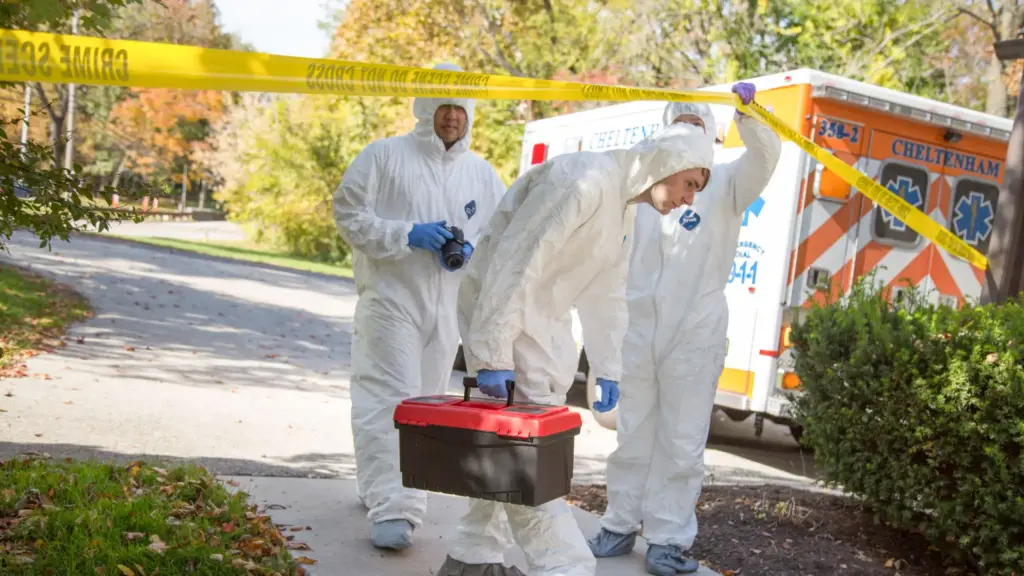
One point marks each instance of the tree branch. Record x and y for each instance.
(903, 47)
(928, 25)
(493, 30)
(54, 117)
(992, 9)
(990, 24)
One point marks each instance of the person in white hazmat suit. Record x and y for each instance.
(392, 208)
(674, 350)
(560, 237)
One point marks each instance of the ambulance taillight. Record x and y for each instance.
(540, 154)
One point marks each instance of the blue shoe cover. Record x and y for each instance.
(608, 544)
(669, 561)
(393, 534)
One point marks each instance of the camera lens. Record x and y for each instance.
(454, 261)
(452, 254)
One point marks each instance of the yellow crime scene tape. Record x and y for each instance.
(63, 59)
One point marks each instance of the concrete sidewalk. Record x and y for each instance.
(339, 531)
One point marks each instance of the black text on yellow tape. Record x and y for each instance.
(41, 57)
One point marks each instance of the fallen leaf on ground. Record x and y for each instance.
(297, 546)
(133, 536)
(305, 560)
(125, 570)
(130, 348)
(156, 544)
(227, 527)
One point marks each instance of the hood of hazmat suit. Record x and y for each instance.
(561, 238)
(405, 334)
(699, 109)
(675, 345)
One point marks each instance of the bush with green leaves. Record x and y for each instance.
(36, 192)
(919, 410)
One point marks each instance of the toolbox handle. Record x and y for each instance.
(470, 382)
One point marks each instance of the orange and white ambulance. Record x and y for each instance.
(810, 232)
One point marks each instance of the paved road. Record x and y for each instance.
(214, 231)
(242, 368)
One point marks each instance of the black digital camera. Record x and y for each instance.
(451, 252)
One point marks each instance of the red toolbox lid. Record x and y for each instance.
(516, 421)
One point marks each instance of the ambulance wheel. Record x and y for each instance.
(797, 432)
(460, 360)
(605, 419)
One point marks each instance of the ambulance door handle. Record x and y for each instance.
(818, 169)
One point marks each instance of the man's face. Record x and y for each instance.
(691, 119)
(450, 124)
(678, 189)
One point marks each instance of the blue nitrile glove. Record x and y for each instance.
(493, 382)
(467, 253)
(609, 395)
(745, 90)
(430, 236)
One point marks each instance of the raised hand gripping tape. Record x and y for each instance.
(55, 58)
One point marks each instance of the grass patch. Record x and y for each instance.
(245, 251)
(34, 313)
(86, 518)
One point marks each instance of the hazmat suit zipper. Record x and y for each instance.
(657, 285)
(446, 163)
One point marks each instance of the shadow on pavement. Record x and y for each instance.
(197, 322)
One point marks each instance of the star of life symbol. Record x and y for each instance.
(972, 218)
(904, 188)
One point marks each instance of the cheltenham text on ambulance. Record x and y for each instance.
(941, 157)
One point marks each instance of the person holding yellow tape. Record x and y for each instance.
(560, 237)
(674, 350)
(393, 207)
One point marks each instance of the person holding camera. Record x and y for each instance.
(403, 205)
(561, 236)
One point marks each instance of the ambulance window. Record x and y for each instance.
(911, 184)
(973, 212)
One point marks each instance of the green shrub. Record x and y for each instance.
(919, 410)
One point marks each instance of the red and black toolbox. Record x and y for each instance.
(487, 449)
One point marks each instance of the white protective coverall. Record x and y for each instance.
(560, 237)
(405, 333)
(675, 345)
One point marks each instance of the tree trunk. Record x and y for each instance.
(1007, 27)
(995, 100)
(119, 170)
